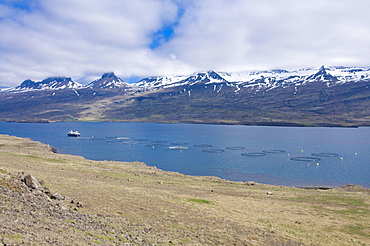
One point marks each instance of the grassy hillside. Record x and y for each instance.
(168, 208)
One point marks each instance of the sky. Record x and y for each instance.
(141, 38)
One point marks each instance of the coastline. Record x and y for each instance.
(160, 207)
(253, 123)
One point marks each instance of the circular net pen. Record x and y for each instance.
(213, 150)
(235, 148)
(155, 145)
(253, 154)
(274, 151)
(202, 145)
(179, 143)
(130, 142)
(305, 159)
(159, 141)
(324, 154)
(141, 139)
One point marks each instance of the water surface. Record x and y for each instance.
(326, 156)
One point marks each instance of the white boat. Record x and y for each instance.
(73, 134)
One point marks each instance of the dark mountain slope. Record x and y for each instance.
(310, 104)
(334, 96)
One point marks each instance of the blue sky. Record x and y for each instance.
(140, 38)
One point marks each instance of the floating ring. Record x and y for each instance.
(202, 146)
(313, 159)
(159, 141)
(141, 139)
(154, 145)
(179, 143)
(130, 142)
(235, 148)
(274, 151)
(324, 154)
(253, 154)
(213, 150)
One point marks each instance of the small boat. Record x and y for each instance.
(73, 134)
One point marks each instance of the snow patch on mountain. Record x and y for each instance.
(257, 80)
(53, 83)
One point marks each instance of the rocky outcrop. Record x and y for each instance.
(30, 214)
(30, 181)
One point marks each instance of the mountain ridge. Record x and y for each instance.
(264, 78)
(325, 96)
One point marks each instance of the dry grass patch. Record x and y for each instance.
(195, 210)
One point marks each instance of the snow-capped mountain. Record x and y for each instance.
(342, 74)
(268, 79)
(53, 83)
(107, 81)
(154, 83)
(325, 96)
(257, 80)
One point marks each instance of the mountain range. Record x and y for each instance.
(325, 96)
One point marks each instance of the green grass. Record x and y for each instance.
(331, 199)
(14, 237)
(355, 213)
(44, 159)
(357, 230)
(200, 201)
(32, 157)
(70, 221)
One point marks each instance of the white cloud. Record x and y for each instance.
(42, 38)
(237, 35)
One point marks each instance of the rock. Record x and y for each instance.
(6, 241)
(31, 181)
(39, 193)
(46, 191)
(57, 196)
(250, 182)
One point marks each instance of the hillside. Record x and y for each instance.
(328, 96)
(111, 203)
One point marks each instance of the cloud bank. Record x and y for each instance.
(139, 38)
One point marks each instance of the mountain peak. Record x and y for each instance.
(109, 75)
(323, 75)
(107, 81)
(51, 83)
(205, 77)
(322, 68)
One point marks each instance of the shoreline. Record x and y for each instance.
(281, 124)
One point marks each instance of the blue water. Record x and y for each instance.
(270, 162)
